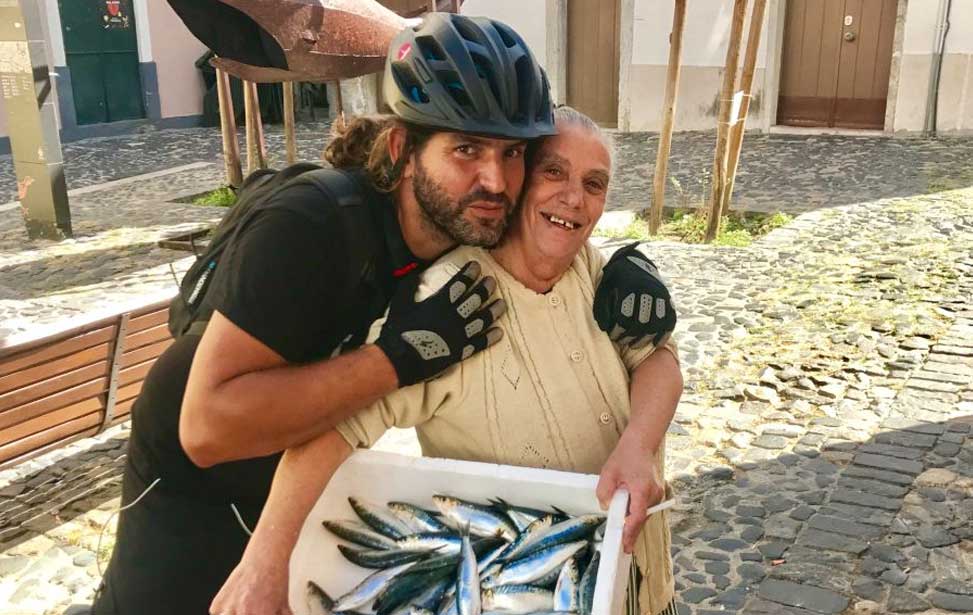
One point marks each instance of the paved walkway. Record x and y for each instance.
(822, 452)
(792, 173)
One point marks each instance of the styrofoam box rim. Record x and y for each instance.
(382, 477)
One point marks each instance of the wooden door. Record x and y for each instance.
(593, 59)
(102, 55)
(836, 62)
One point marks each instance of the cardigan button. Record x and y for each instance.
(577, 356)
(605, 418)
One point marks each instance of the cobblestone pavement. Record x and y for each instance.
(793, 173)
(822, 452)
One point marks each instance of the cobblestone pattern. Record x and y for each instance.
(793, 173)
(822, 451)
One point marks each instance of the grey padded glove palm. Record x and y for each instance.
(632, 303)
(423, 339)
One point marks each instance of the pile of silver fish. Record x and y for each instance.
(466, 558)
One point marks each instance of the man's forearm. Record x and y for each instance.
(266, 411)
(655, 391)
(301, 477)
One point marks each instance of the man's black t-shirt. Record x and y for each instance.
(285, 281)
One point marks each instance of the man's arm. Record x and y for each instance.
(243, 400)
(259, 583)
(655, 391)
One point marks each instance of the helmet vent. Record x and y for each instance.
(522, 68)
(468, 30)
(430, 49)
(505, 35)
(485, 71)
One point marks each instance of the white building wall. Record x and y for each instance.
(955, 108)
(527, 17)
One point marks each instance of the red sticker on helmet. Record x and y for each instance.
(404, 51)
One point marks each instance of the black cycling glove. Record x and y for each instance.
(632, 303)
(422, 339)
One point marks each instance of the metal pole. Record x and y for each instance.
(290, 141)
(722, 127)
(25, 83)
(668, 118)
(231, 149)
(746, 86)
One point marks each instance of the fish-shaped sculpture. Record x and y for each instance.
(269, 41)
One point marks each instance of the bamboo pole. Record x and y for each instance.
(256, 152)
(290, 142)
(231, 148)
(722, 127)
(746, 85)
(668, 117)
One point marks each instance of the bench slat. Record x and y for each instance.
(144, 353)
(80, 427)
(35, 356)
(148, 320)
(145, 337)
(46, 421)
(123, 411)
(134, 373)
(57, 383)
(94, 390)
(54, 368)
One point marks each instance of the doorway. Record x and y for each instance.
(101, 49)
(593, 58)
(835, 63)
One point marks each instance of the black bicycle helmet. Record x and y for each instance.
(468, 74)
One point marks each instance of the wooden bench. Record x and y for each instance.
(77, 380)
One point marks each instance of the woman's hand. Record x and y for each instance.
(257, 586)
(632, 466)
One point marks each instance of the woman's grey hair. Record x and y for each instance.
(569, 116)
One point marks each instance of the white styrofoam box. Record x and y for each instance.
(384, 477)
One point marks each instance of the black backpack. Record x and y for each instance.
(189, 312)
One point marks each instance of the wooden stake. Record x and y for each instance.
(746, 85)
(256, 152)
(290, 142)
(340, 112)
(668, 117)
(231, 148)
(722, 128)
(432, 6)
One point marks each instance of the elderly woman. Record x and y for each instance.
(556, 392)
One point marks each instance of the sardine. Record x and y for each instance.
(535, 526)
(468, 580)
(405, 589)
(379, 518)
(318, 600)
(586, 591)
(360, 534)
(419, 519)
(382, 558)
(482, 520)
(576, 528)
(441, 542)
(520, 515)
(566, 590)
(517, 599)
(369, 589)
(538, 564)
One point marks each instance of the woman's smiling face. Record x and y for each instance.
(566, 191)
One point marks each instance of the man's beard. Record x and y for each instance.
(446, 216)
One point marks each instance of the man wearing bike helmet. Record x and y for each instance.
(281, 359)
